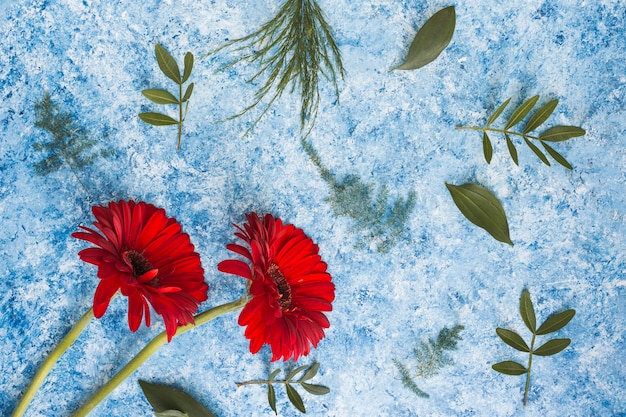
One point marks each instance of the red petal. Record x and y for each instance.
(231, 266)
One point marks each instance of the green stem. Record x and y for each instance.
(530, 362)
(180, 113)
(52, 358)
(491, 129)
(151, 348)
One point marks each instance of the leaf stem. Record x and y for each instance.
(180, 113)
(530, 362)
(491, 129)
(151, 348)
(52, 358)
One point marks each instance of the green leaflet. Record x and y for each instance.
(527, 311)
(482, 208)
(556, 322)
(561, 133)
(434, 36)
(509, 368)
(166, 399)
(521, 112)
(512, 339)
(168, 65)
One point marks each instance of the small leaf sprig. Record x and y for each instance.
(551, 347)
(553, 134)
(170, 68)
(310, 371)
(294, 49)
(172, 402)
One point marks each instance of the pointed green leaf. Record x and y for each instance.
(168, 65)
(188, 66)
(527, 311)
(164, 398)
(509, 368)
(521, 112)
(557, 156)
(561, 133)
(556, 322)
(295, 371)
(315, 389)
(540, 116)
(487, 148)
(295, 398)
(482, 208)
(271, 397)
(273, 374)
(157, 119)
(311, 372)
(431, 39)
(159, 96)
(188, 92)
(171, 413)
(552, 347)
(537, 152)
(512, 149)
(498, 112)
(512, 339)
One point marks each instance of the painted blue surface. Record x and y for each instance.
(395, 128)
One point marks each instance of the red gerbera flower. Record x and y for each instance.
(144, 254)
(290, 287)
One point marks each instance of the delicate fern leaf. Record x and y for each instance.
(188, 67)
(512, 149)
(552, 347)
(315, 389)
(537, 152)
(487, 148)
(271, 397)
(527, 311)
(168, 65)
(521, 112)
(556, 322)
(157, 119)
(509, 368)
(408, 381)
(295, 398)
(160, 96)
(540, 116)
(557, 156)
(561, 133)
(512, 339)
(498, 112)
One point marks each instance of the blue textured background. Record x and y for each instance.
(395, 128)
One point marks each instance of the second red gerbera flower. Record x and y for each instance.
(290, 287)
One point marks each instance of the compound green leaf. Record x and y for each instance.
(509, 368)
(315, 389)
(157, 119)
(487, 148)
(482, 208)
(521, 112)
(498, 111)
(527, 311)
(164, 398)
(552, 347)
(540, 116)
(512, 339)
(561, 133)
(557, 156)
(556, 322)
(295, 398)
(537, 152)
(431, 39)
(188, 66)
(159, 96)
(168, 65)
(271, 397)
(512, 149)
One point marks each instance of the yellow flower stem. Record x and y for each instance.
(151, 348)
(52, 358)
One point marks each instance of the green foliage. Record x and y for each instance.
(375, 218)
(430, 357)
(171, 402)
(294, 49)
(170, 68)
(554, 323)
(308, 372)
(553, 134)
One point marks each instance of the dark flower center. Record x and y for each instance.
(283, 286)
(139, 265)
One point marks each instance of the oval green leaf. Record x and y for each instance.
(512, 149)
(188, 66)
(311, 372)
(509, 368)
(557, 156)
(540, 116)
(157, 119)
(552, 347)
(527, 311)
(159, 96)
(487, 148)
(295, 398)
(482, 208)
(168, 65)
(163, 398)
(431, 39)
(498, 112)
(271, 397)
(315, 389)
(521, 112)
(188, 92)
(561, 133)
(556, 322)
(537, 152)
(512, 339)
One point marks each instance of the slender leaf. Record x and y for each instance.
(295, 398)
(160, 96)
(552, 347)
(561, 133)
(295, 371)
(482, 208)
(512, 149)
(164, 398)
(168, 65)
(311, 372)
(273, 374)
(521, 112)
(157, 119)
(556, 322)
(527, 311)
(315, 389)
(498, 112)
(540, 116)
(512, 339)
(188, 92)
(537, 152)
(271, 397)
(188, 66)
(509, 368)
(487, 148)
(557, 156)
(171, 413)
(431, 39)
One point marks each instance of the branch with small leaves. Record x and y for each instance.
(289, 382)
(170, 68)
(551, 347)
(553, 134)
